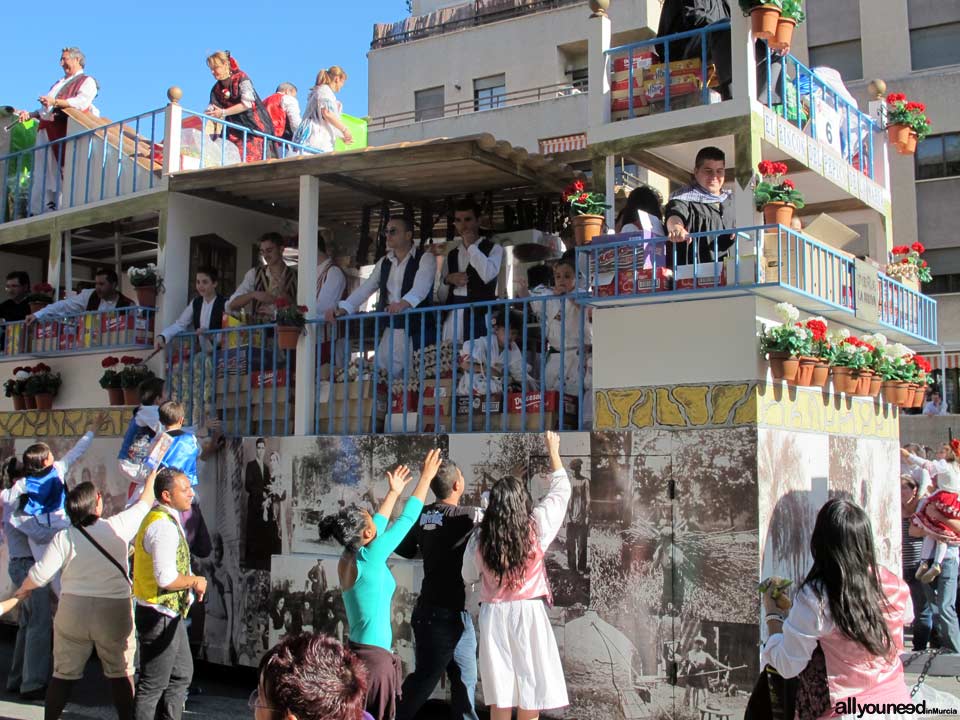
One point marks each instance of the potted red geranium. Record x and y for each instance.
(907, 123)
(13, 387)
(586, 211)
(134, 372)
(775, 194)
(43, 384)
(290, 321)
(110, 380)
(41, 295)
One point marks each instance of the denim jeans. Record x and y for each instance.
(445, 642)
(922, 614)
(30, 669)
(942, 596)
(166, 665)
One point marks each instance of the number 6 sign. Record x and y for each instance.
(827, 125)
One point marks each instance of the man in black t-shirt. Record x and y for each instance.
(443, 631)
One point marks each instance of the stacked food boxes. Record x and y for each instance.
(650, 84)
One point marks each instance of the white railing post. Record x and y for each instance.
(307, 228)
(598, 77)
(173, 120)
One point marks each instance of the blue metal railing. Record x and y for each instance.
(123, 328)
(367, 381)
(108, 161)
(251, 144)
(632, 265)
(800, 89)
(238, 376)
(636, 59)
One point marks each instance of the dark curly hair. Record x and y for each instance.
(314, 677)
(346, 527)
(507, 531)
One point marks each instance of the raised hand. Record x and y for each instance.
(552, 442)
(431, 464)
(100, 422)
(398, 479)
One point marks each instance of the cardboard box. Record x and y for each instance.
(355, 389)
(621, 88)
(706, 276)
(641, 59)
(536, 403)
(658, 72)
(269, 378)
(629, 282)
(397, 401)
(680, 85)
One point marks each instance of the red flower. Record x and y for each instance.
(955, 444)
(303, 309)
(918, 247)
(818, 328)
(281, 303)
(42, 288)
(130, 360)
(40, 368)
(868, 346)
(916, 107)
(578, 185)
(780, 168)
(900, 250)
(923, 263)
(905, 261)
(583, 197)
(109, 362)
(921, 363)
(765, 167)
(789, 184)
(894, 98)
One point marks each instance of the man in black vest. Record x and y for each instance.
(469, 275)
(100, 298)
(403, 279)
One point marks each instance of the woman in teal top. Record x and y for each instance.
(367, 583)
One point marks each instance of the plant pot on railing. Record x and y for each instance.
(763, 20)
(36, 307)
(146, 295)
(908, 398)
(116, 396)
(894, 391)
(875, 383)
(909, 147)
(19, 402)
(920, 395)
(806, 370)
(821, 374)
(44, 401)
(778, 213)
(844, 380)
(864, 377)
(29, 402)
(784, 366)
(287, 337)
(898, 134)
(586, 228)
(784, 34)
(131, 395)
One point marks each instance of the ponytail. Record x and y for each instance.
(326, 77)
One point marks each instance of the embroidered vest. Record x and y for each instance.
(45, 492)
(397, 322)
(278, 116)
(216, 313)
(145, 586)
(288, 284)
(93, 303)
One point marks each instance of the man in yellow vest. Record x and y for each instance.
(164, 587)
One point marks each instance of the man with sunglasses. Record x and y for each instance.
(403, 279)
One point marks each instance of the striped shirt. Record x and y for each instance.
(910, 551)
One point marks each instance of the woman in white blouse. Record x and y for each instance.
(321, 124)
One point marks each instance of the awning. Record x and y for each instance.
(936, 360)
(563, 143)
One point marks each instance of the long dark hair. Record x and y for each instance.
(845, 570)
(643, 198)
(12, 471)
(346, 527)
(507, 531)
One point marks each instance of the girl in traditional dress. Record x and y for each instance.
(321, 125)
(233, 98)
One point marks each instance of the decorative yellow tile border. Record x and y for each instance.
(739, 404)
(62, 423)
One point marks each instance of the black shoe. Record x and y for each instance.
(39, 693)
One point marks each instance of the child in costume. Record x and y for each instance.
(946, 500)
(490, 355)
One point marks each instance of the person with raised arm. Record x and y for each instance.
(367, 583)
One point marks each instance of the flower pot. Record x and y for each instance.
(898, 134)
(784, 34)
(19, 403)
(146, 295)
(30, 402)
(909, 147)
(115, 395)
(784, 366)
(894, 391)
(287, 337)
(586, 228)
(805, 373)
(844, 380)
(37, 306)
(908, 398)
(764, 21)
(863, 383)
(875, 382)
(778, 213)
(919, 395)
(131, 396)
(44, 401)
(821, 373)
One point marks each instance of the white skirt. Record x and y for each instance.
(519, 661)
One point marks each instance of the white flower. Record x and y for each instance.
(787, 312)
(838, 335)
(878, 340)
(898, 350)
(819, 318)
(22, 375)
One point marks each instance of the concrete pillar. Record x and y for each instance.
(308, 226)
(173, 120)
(53, 259)
(598, 71)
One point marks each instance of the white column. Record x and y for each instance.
(597, 72)
(308, 227)
(173, 119)
(53, 259)
(173, 253)
(68, 260)
(609, 185)
(744, 59)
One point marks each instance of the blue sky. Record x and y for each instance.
(137, 51)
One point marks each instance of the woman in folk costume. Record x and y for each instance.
(321, 125)
(519, 661)
(233, 98)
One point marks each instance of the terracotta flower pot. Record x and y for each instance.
(115, 395)
(863, 383)
(894, 391)
(764, 21)
(784, 366)
(909, 147)
(908, 398)
(287, 337)
(805, 373)
(146, 295)
(131, 396)
(19, 403)
(821, 374)
(586, 228)
(784, 34)
(875, 382)
(30, 402)
(778, 213)
(898, 134)
(44, 401)
(919, 396)
(37, 306)
(844, 381)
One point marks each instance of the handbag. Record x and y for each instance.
(108, 556)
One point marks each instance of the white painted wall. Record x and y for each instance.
(34, 267)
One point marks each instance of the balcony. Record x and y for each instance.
(79, 333)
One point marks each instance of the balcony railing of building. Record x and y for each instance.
(128, 328)
(124, 157)
(459, 17)
(770, 256)
(464, 107)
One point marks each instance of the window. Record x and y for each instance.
(935, 46)
(428, 103)
(938, 156)
(942, 284)
(489, 92)
(579, 78)
(844, 57)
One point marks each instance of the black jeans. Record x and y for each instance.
(166, 665)
(445, 642)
